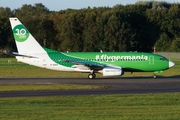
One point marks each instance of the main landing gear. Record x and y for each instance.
(92, 76)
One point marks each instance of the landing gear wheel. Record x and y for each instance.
(154, 76)
(91, 76)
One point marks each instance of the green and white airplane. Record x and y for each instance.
(107, 63)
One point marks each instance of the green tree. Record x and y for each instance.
(90, 32)
(163, 43)
(33, 18)
(6, 38)
(175, 46)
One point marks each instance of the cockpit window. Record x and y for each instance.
(163, 58)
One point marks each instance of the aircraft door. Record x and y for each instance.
(151, 60)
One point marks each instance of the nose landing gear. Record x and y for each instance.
(154, 76)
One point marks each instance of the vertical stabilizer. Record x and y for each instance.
(25, 42)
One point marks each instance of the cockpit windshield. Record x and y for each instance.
(163, 58)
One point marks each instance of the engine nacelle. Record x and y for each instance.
(112, 71)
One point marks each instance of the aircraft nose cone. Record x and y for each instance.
(171, 64)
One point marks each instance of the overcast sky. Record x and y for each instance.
(74, 4)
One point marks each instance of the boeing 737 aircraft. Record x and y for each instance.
(107, 63)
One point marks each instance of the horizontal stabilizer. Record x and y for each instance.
(21, 55)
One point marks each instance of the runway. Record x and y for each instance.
(121, 85)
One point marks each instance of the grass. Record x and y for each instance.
(96, 107)
(37, 87)
(9, 67)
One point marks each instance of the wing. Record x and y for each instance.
(87, 64)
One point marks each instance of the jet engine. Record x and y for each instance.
(112, 71)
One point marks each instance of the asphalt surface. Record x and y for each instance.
(121, 85)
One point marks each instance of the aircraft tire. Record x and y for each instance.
(154, 76)
(91, 76)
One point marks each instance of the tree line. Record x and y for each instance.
(135, 27)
